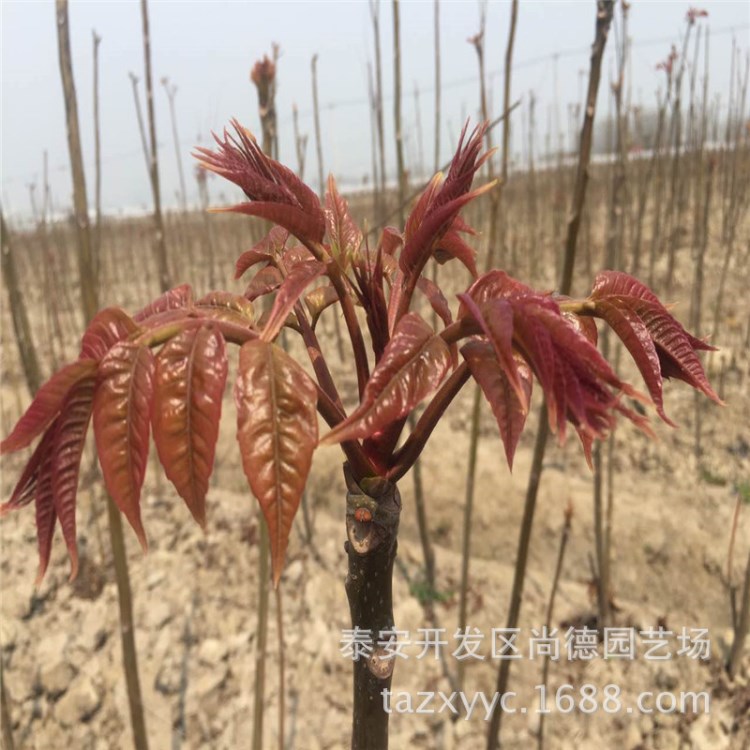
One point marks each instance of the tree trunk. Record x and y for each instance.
(153, 160)
(372, 517)
(24, 339)
(89, 299)
(90, 305)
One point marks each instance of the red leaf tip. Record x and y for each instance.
(274, 191)
(659, 345)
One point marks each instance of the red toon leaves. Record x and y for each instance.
(166, 368)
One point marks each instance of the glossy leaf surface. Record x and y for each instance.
(267, 280)
(46, 517)
(495, 317)
(318, 300)
(233, 308)
(106, 328)
(67, 447)
(274, 191)
(122, 411)
(440, 204)
(267, 250)
(25, 489)
(46, 404)
(412, 366)
(452, 246)
(658, 343)
(277, 429)
(191, 371)
(510, 411)
(181, 297)
(299, 278)
(343, 233)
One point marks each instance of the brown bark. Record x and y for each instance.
(21, 327)
(90, 306)
(495, 209)
(264, 551)
(371, 550)
(605, 10)
(613, 257)
(89, 299)
(127, 627)
(742, 627)
(397, 110)
(139, 115)
(97, 252)
(316, 114)
(171, 91)
(375, 17)
(300, 144)
(161, 241)
(263, 75)
(564, 536)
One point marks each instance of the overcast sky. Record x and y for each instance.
(207, 49)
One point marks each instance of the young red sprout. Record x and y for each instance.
(162, 371)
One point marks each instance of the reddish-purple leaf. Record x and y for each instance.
(275, 192)
(70, 438)
(439, 205)
(494, 284)
(268, 249)
(46, 516)
(510, 412)
(635, 336)
(619, 284)
(294, 255)
(412, 366)
(181, 297)
(46, 404)
(191, 370)
(584, 324)
(660, 346)
(25, 488)
(275, 241)
(320, 299)
(106, 328)
(250, 258)
(459, 225)
(232, 308)
(421, 207)
(305, 197)
(291, 289)
(277, 429)
(587, 443)
(394, 300)
(295, 220)
(452, 246)
(264, 282)
(390, 241)
(574, 375)
(675, 347)
(122, 410)
(417, 251)
(343, 233)
(562, 353)
(495, 318)
(436, 299)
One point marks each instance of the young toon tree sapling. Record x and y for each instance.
(163, 370)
